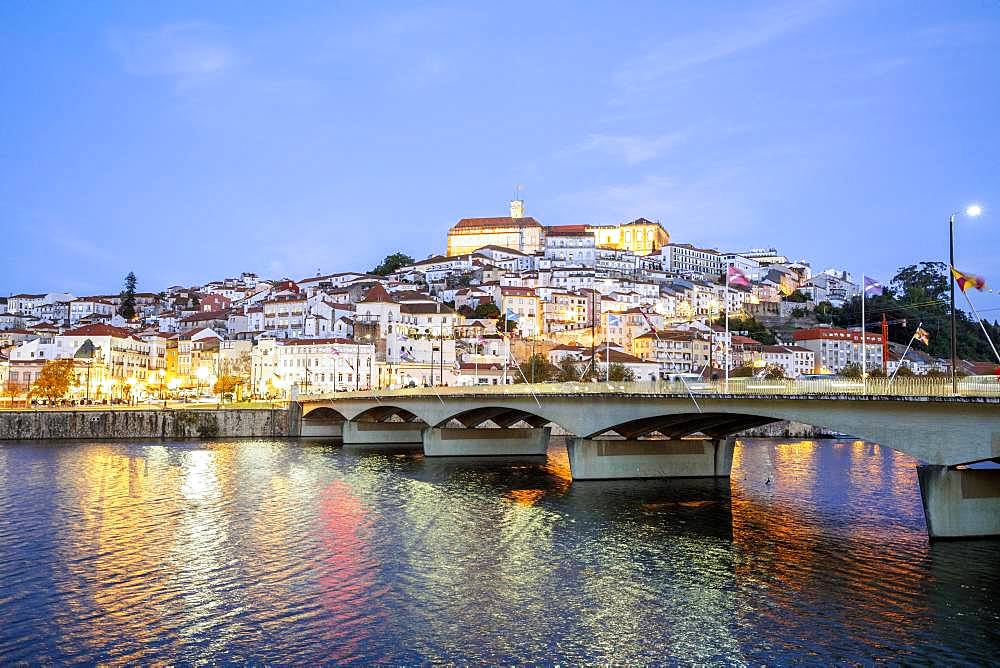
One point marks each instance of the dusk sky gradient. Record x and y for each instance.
(192, 141)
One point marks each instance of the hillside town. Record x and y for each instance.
(510, 301)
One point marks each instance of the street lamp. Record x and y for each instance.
(107, 385)
(162, 373)
(202, 375)
(130, 382)
(971, 211)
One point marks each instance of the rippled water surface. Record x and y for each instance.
(284, 552)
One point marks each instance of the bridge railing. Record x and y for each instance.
(973, 386)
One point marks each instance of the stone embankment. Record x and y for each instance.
(126, 424)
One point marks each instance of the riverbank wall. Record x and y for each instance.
(149, 423)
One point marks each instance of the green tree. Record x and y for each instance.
(852, 371)
(619, 373)
(774, 372)
(754, 328)
(127, 297)
(487, 310)
(505, 325)
(745, 371)
(567, 370)
(55, 379)
(391, 263)
(905, 372)
(824, 312)
(538, 369)
(798, 297)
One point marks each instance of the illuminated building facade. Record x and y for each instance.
(640, 236)
(520, 233)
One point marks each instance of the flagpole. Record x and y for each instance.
(607, 355)
(506, 345)
(652, 327)
(981, 325)
(864, 352)
(711, 331)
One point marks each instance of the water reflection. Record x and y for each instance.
(287, 552)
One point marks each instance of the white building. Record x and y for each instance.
(313, 366)
(794, 361)
(572, 244)
(285, 315)
(833, 286)
(89, 306)
(688, 260)
(23, 303)
(836, 348)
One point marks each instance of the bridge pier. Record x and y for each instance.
(960, 503)
(593, 459)
(359, 435)
(320, 428)
(467, 442)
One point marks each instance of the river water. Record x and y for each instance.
(296, 552)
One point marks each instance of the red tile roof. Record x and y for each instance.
(376, 294)
(99, 329)
(567, 231)
(517, 292)
(206, 315)
(502, 221)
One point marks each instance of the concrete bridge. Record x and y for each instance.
(641, 431)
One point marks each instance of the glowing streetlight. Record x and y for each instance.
(201, 373)
(971, 211)
(130, 383)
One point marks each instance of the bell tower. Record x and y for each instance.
(517, 208)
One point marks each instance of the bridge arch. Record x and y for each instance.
(387, 413)
(324, 414)
(679, 425)
(322, 422)
(501, 416)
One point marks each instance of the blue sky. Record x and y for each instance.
(189, 141)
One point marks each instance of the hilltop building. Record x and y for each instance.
(520, 233)
(640, 236)
(526, 235)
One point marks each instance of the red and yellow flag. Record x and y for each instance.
(966, 281)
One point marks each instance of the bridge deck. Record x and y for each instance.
(977, 390)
